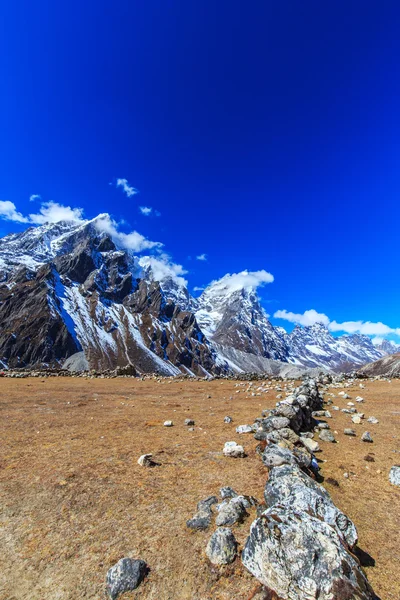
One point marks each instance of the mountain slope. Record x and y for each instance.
(388, 366)
(70, 289)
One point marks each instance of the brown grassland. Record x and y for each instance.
(73, 499)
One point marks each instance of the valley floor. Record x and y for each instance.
(73, 499)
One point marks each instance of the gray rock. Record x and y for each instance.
(189, 422)
(227, 492)
(232, 512)
(327, 436)
(125, 576)
(350, 432)
(367, 437)
(394, 475)
(373, 420)
(146, 460)
(289, 486)
(222, 547)
(300, 557)
(168, 423)
(271, 423)
(228, 420)
(310, 444)
(202, 519)
(233, 450)
(244, 429)
(275, 456)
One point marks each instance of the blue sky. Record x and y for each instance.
(263, 135)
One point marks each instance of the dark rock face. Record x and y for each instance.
(125, 576)
(33, 331)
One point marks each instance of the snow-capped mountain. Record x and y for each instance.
(234, 318)
(70, 288)
(314, 346)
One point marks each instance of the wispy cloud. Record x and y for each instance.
(128, 189)
(201, 257)
(145, 210)
(310, 317)
(198, 288)
(8, 212)
(34, 197)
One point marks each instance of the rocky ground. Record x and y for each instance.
(74, 500)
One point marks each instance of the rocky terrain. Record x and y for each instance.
(230, 475)
(72, 291)
(388, 366)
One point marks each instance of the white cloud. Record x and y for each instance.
(8, 212)
(201, 257)
(34, 197)
(198, 288)
(244, 280)
(145, 210)
(130, 241)
(128, 189)
(309, 317)
(161, 268)
(364, 327)
(52, 212)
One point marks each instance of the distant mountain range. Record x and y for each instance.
(69, 291)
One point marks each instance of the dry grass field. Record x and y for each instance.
(73, 499)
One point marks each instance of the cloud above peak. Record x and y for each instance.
(310, 317)
(134, 240)
(243, 280)
(162, 268)
(52, 212)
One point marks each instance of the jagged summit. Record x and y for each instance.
(74, 287)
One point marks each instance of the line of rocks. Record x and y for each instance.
(300, 545)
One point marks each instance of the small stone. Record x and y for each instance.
(310, 444)
(228, 420)
(222, 547)
(189, 422)
(233, 450)
(369, 458)
(394, 475)
(227, 492)
(244, 429)
(168, 423)
(356, 419)
(146, 460)
(125, 576)
(372, 420)
(366, 437)
(232, 512)
(346, 475)
(327, 436)
(350, 432)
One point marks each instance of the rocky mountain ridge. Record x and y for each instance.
(69, 288)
